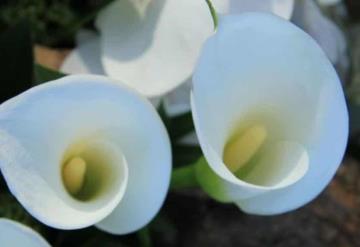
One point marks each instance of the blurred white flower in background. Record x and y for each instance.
(152, 45)
(78, 151)
(270, 115)
(14, 234)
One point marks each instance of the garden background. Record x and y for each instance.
(35, 37)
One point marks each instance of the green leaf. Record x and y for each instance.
(16, 64)
(43, 74)
(184, 177)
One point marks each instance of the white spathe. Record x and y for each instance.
(101, 122)
(261, 70)
(152, 45)
(153, 49)
(13, 234)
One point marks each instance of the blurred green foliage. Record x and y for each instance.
(16, 60)
(43, 74)
(53, 22)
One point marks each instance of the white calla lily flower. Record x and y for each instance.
(78, 151)
(153, 44)
(13, 234)
(270, 115)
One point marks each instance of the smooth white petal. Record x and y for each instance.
(229, 187)
(153, 45)
(258, 66)
(153, 48)
(308, 16)
(85, 59)
(16, 234)
(38, 126)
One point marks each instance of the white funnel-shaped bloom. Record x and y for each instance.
(153, 45)
(78, 151)
(13, 234)
(270, 115)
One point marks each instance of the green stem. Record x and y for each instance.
(213, 14)
(183, 177)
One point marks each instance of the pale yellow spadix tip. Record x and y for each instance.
(74, 175)
(240, 149)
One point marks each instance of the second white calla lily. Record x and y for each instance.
(78, 151)
(270, 115)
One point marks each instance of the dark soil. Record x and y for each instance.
(333, 219)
